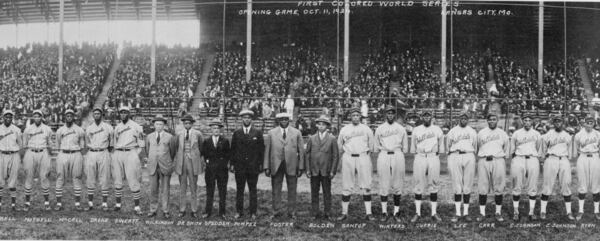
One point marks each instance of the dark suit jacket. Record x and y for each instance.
(321, 155)
(247, 151)
(217, 158)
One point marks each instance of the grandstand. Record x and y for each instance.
(203, 68)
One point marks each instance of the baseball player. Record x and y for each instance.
(587, 142)
(36, 138)
(556, 145)
(461, 144)
(128, 141)
(426, 144)
(493, 144)
(526, 146)
(70, 140)
(99, 137)
(10, 159)
(391, 141)
(357, 142)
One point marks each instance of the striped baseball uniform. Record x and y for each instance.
(37, 158)
(356, 141)
(391, 141)
(69, 162)
(588, 162)
(491, 168)
(557, 146)
(426, 144)
(97, 161)
(10, 144)
(525, 167)
(461, 143)
(128, 139)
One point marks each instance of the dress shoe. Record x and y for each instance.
(415, 218)
(58, 208)
(26, 208)
(543, 216)
(47, 207)
(117, 209)
(436, 218)
(253, 216)
(342, 217)
(480, 218)
(533, 217)
(570, 216)
(167, 215)
(139, 212)
(206, 215)
(194, 215)
(237, 216)
(370, 217)
(455, 218)
(499, 217)
(88, 208)
(151, 214)
(78, 208)
(597, 216)
(181, 214)
(292, 215)
(105, 208)
(398, 218)
(516, 216)
(384, 217)
(579, 216)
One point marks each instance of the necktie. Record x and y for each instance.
(187, 135)
(158, 138)
(246, 131)
(284, 134)
(215, 141)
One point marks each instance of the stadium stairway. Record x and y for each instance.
(210, 60)
(587, 82)
(103, 96)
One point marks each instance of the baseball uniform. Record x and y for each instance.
(126, 162)
(525, 166)
(37, 158)
(491, 168)
(426, 144)
(588, 167)
(356, 142)
(69, 161)
(588, 163)
(10, 144)
(461, 143)
(97, 162)
(557, 146)
(391, 141)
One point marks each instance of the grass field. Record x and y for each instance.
(70, 224)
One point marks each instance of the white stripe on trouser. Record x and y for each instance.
(390, 169)
(356, 171)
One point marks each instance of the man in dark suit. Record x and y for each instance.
(216, 151)
(321, 165)
(247, 150)
(284, 157)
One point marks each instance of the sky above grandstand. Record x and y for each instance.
(174, 32)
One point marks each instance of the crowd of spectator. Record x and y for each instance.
(178, 72)
(29, 78)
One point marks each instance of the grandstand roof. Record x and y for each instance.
(31, 11)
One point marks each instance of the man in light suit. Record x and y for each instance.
(247, 155)
(188, 164)
(284, 156)
(160, 150)
(321, 165)
(216, 152)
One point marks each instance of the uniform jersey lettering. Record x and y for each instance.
(425, 136)
(7, 134)
(124, 130)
